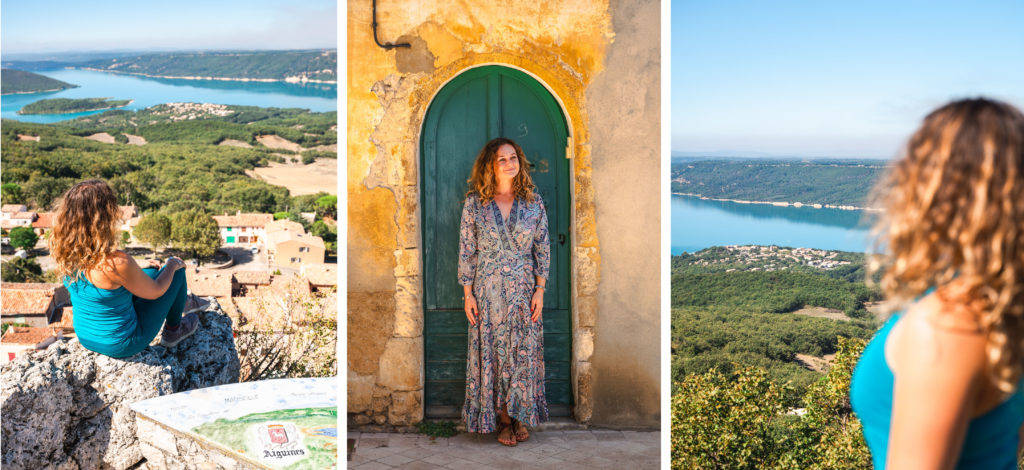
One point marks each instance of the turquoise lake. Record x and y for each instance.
(148, 92)
(699, 224)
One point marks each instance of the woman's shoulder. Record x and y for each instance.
(933, 331)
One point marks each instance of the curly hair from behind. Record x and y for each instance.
(482, 181)
(85, 228)
(954, 220)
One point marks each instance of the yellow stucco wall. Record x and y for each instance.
(564, 45)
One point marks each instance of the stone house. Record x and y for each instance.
(321, 276)
(43, 223)
(577, 84)
(8, 214)
(293, 249)
(243, 228)
(243, 282)
(33, 304)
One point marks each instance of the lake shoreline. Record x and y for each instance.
(783, 203)
(297, 80)
(40, 91)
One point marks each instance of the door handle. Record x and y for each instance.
(561, 239)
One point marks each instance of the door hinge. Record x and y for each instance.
(568, 148)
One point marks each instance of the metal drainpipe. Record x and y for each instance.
(385, 46)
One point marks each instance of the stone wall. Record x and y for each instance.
(627, 336)
(564, 46)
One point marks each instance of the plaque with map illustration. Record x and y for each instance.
(281, 424)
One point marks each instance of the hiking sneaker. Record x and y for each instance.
(195, 303)
(189, 324)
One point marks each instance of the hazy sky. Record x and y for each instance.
(73, 25)
(831, 78)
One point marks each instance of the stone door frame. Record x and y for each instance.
(568, 92)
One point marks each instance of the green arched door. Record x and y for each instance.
(479, 105)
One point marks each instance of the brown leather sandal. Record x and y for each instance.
(519, 431)
(511, 441)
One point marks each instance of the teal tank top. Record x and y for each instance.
(102, 317)
(991, 439)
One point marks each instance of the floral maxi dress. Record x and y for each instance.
(500, 259)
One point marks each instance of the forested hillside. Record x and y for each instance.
(832, 182)
(318, 65)
(763, 344)
(19, 81)
(181, 167)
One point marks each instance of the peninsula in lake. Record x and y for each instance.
(19, 81)
(72, 105)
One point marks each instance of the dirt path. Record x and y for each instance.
(135, 139)
(28, 137)
(275, 142)
(321, 175)
(815, 363)
(102, 137)
(822, 312)
(235, 143)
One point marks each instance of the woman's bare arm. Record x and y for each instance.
(123, 270)
(938, 372)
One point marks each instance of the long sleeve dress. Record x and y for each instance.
(500, 259)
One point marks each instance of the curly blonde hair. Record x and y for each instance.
(482, 181)
(85, 229)
(954, 220)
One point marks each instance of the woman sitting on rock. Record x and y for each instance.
(119, 306)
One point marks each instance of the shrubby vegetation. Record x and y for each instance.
(740, 420)
(20, 81)
(836, 182)
(69, 105)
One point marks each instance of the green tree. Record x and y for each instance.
(126, 238)
(322, 230)
(725, 422)
(21, 270)
(154, 230)
(23, 237)
(11, 193)
(196, 232)
(286, 215)
(327, 206)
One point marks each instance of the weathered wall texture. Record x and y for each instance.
(563, 44)
(626, 187)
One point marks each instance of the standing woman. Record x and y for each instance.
(504, 261)
(119, 306)
(940, 384)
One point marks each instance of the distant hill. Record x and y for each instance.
(845, 182)
(318, 65)
(20, 81)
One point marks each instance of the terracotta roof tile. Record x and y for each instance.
(24, 215)
(252, 277)
(25, 301)
(277, 238)
(45, 220)
(66, 319)
(243, 220)
(284, 224)
(26, 335)
(208, 283)
(13, 208)
(321, 274)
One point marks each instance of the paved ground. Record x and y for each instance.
(587, 449)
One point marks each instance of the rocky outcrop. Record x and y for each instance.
(68, 408)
